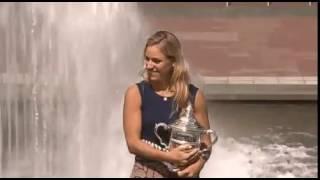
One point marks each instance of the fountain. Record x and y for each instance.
(64, 68)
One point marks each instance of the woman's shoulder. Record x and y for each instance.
(134, 88)
(196, 92)
(193, 88)
(132, 97)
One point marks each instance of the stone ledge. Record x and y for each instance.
(261, 88)
(276, 80)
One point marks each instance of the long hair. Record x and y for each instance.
(180, 78)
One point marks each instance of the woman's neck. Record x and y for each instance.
(162, 88)
(160, 85)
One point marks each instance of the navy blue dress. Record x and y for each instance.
(155, 110)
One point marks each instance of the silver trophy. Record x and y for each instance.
(185, 130)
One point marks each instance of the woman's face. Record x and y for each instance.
(156, 64)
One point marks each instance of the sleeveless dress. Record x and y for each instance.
(155, 109)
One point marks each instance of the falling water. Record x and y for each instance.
(64, 68)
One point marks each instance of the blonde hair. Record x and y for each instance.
(180, 78)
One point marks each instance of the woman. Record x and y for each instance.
(163, 93)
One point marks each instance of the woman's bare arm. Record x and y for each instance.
(201, 114)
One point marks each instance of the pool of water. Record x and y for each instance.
(264, 139)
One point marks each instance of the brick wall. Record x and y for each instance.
(243, 39)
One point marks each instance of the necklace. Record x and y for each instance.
(166, 98)
(163, 93)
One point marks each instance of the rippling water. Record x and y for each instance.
(264, 139)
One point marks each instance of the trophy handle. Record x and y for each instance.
(213, 134)
(165, 126)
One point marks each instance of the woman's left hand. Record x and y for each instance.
(192, 170)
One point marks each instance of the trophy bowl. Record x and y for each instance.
(185, 130)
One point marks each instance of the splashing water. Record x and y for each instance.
(232, 158)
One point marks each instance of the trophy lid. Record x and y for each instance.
(186, 121)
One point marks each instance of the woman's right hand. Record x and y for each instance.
(183, 155)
